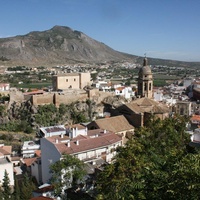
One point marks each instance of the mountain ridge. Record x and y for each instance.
(62, 45)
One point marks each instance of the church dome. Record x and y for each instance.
(145, 70)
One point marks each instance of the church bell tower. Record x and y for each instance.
(145, 81)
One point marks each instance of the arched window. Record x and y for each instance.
(145, 86)
(149, 86)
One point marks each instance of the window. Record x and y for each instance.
(66, 80)
(145, 86)
(149, 86)
(74, 79)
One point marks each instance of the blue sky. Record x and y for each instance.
(168, 29)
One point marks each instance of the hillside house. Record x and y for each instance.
(96, 144)
(4, 86)
(6, 164)
(126, 92)
(195, 137)
(29, 148)
(184, 108)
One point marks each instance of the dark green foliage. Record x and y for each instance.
(16, 195)
(71, 170)
(6, 186)
(47, 115)
(27, 188)
(156, 163)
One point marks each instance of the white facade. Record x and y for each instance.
(127, 92)
(99, 83)
(158, 96)
(6, 165)
(49, 155)
(87, 148)
(4, 86)
(28, 149)
(196, 136)
(52, 131)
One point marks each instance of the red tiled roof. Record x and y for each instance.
(29, 161)
(38, 153)
(5, 150)
(195, 118)
(120, 88)
(87, 143)
(115, 124)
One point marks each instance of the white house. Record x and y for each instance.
(127, 92)
(196, 136)
(6, 164)
(29, 148)
(158, 95)
(96, 144)
(4, 86)
(52, 131)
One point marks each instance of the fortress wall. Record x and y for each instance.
(69, 98)
(42, 99)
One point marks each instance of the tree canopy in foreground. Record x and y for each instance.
(157, 163)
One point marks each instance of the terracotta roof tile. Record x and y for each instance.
(29, 161)
(195, 118)
(145, 102)
(86, 144)
(38, 153)
(120, 88)
(6, 150)
(115, 124)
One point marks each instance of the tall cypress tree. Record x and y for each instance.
(16, 193)
(27, 188)
(6, 186)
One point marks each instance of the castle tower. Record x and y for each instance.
(145, 81)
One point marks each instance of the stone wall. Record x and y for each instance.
(42, 99)
(56, 98)
(68, 98)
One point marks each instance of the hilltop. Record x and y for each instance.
(61, 45)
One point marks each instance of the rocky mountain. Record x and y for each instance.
(59, 45)
(62, 45)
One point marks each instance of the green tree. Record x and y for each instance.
(1, 193)
(27, 187)
(6, 186)
(156, 163)
(16, 195)
(66, 173)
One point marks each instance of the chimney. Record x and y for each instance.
(62, 135)
(68, 144)
(77, 142)
(56, 140)
(104, 131)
